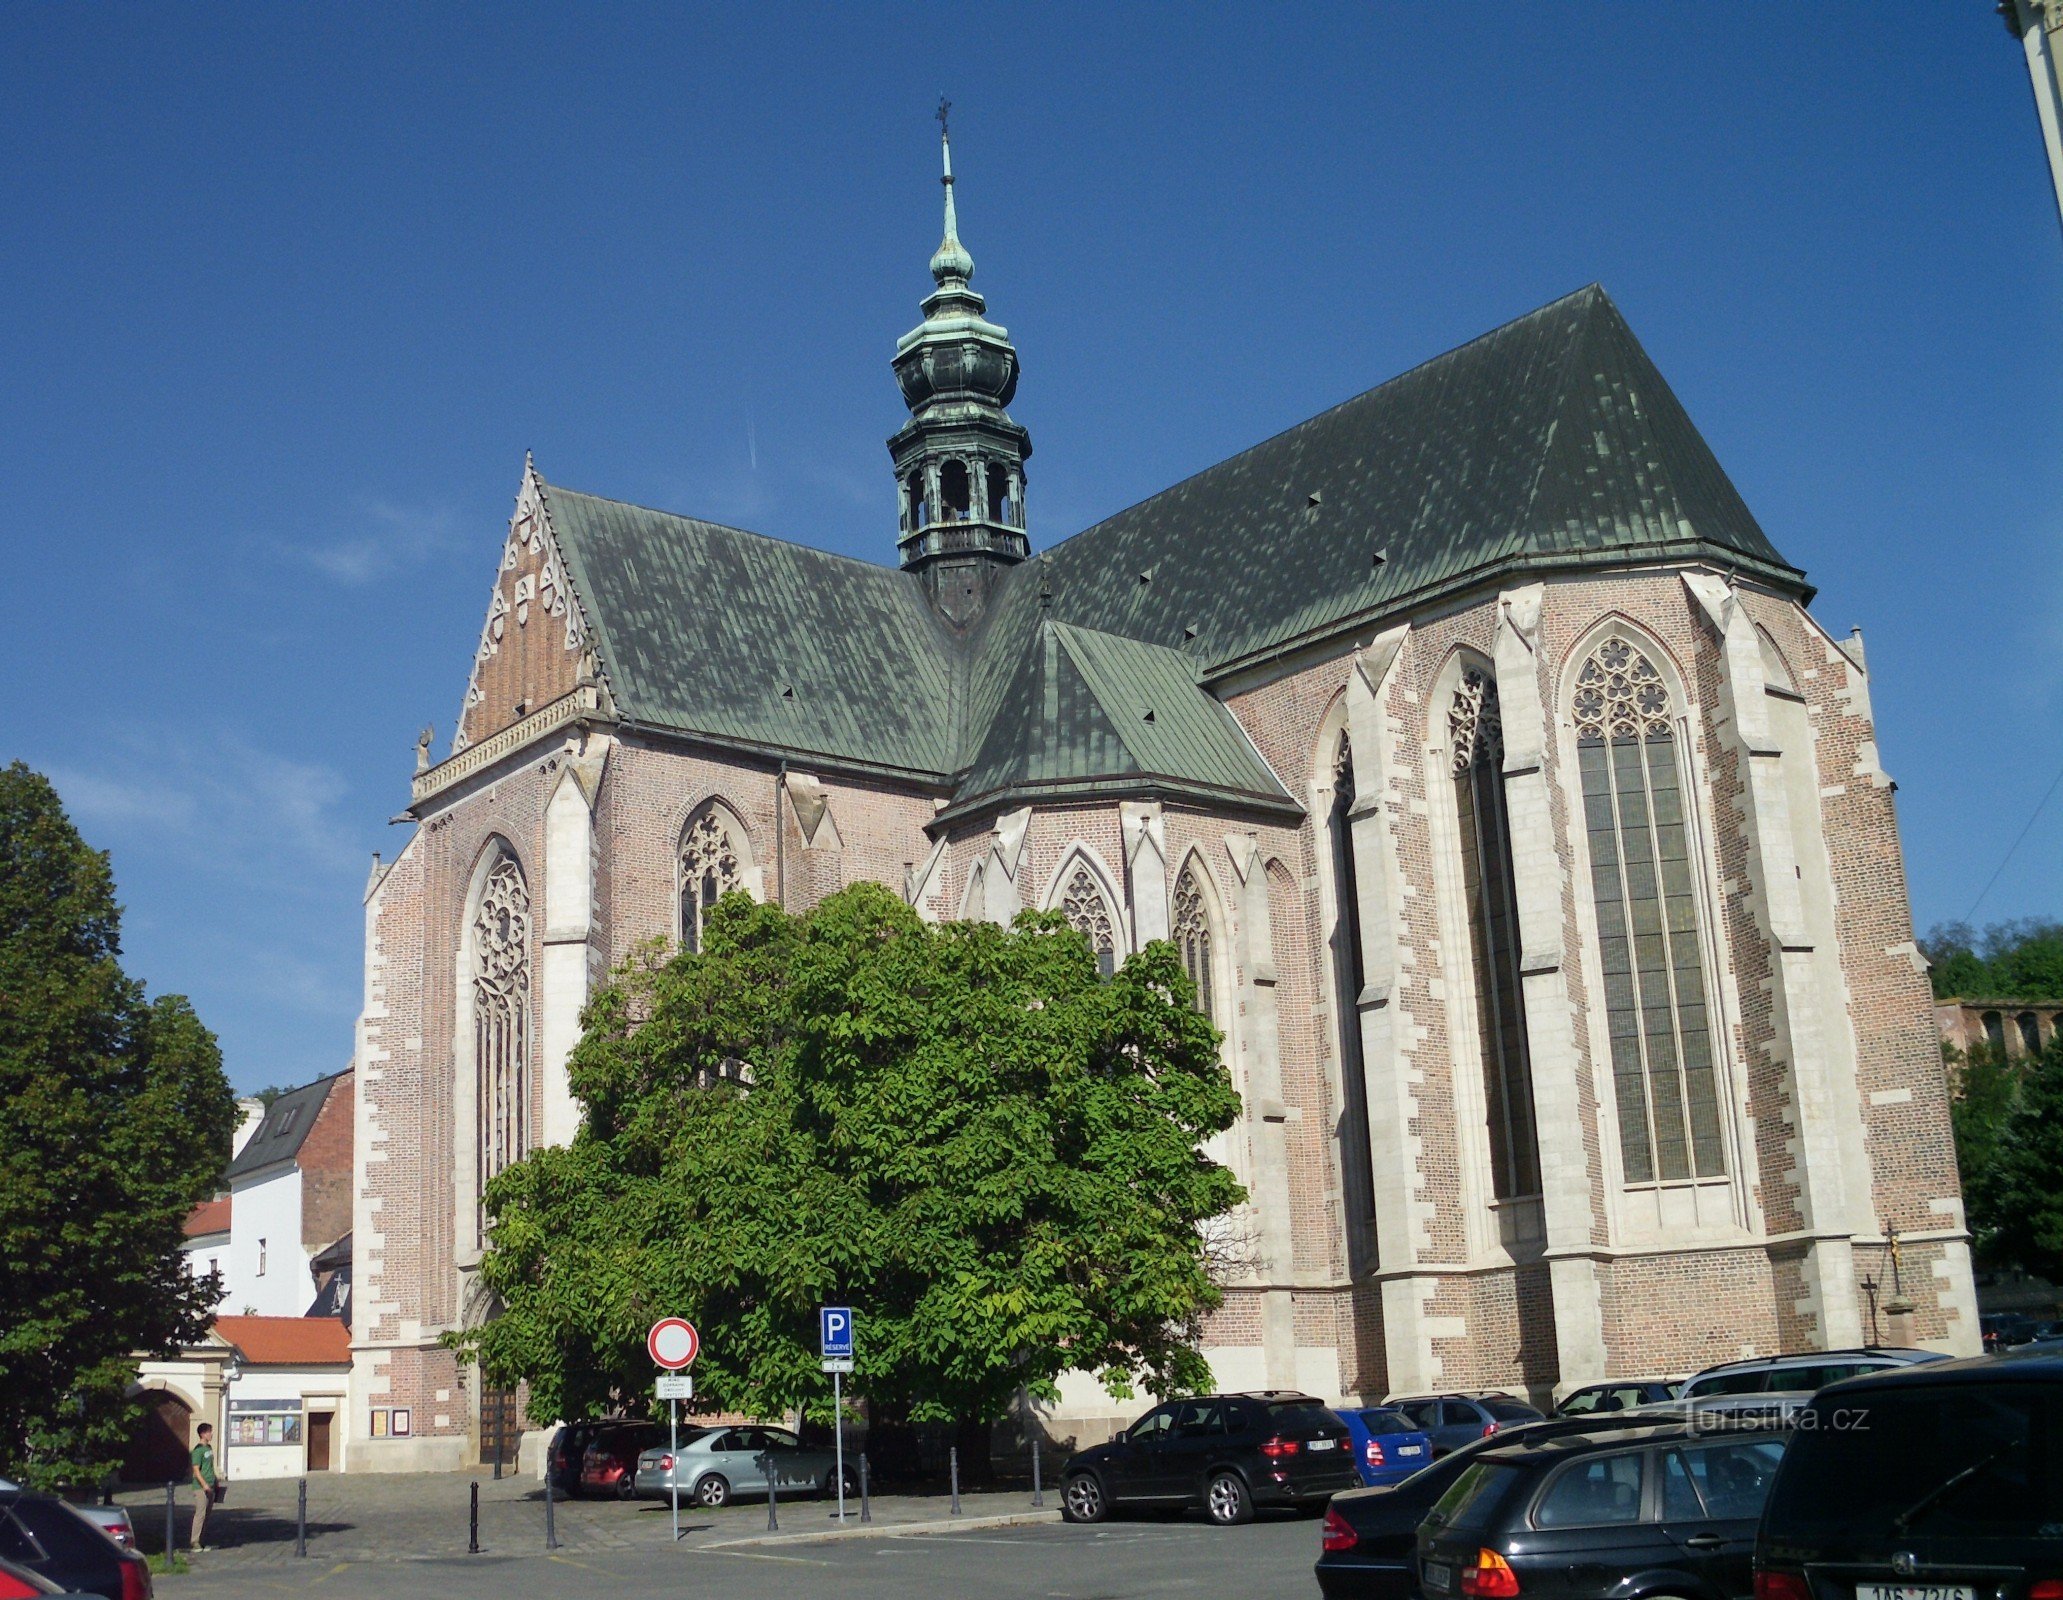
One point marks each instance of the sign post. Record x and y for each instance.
(673, 1345)
(835, 1325)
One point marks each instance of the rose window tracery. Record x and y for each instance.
(1620, 695)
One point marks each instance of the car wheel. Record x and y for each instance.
(829, 1486)
(1227, 1500)
(627, 1486)
(712, 1491)
(1082, 1500)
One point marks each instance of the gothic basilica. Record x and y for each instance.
(1524, 830)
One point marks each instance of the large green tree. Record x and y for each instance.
(964, 1131)
(115, 1119)
(2009, 1142)
(2016, 960)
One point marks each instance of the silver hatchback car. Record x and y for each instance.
(714, 1465)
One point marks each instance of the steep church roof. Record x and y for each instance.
(1549, 443)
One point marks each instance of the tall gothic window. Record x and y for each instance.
(1088, 913)
(1663, 1069)
(709, 870)
(1192, 930)
(1477, 734)
(1348, 980)
(501, 1019)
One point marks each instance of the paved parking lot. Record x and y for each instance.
(1048, 1561)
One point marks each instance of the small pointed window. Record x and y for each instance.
(709, 869)
(1088, 913)
(1192, 929)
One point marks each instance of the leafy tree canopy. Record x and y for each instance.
(2009, 1143)
(2017, 960)
(961, 1130)
(118, 1121)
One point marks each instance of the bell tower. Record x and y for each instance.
(959, 460)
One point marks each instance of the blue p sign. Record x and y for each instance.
(836, 1325)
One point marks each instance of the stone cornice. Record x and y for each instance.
(584, 703)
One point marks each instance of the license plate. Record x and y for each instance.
(1325, 1444)
(1914, 1591)
(1410, 1449)
(1438, 1575)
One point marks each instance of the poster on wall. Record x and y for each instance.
(261, 1422)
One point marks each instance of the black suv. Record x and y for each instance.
(1225, 1452)
(1944, 1481)
(1625, 1512)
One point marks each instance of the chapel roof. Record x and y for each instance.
(288, 1341)
(1550, 443)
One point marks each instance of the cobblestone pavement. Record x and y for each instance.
(1143, 1558)
(373, 1517)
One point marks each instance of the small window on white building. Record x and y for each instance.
(261, 1258)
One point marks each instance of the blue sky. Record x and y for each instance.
(288, 291)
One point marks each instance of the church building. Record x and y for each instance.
(1524, 831)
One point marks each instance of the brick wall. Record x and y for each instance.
(325, 1160)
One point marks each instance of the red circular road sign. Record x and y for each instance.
(673, 1343)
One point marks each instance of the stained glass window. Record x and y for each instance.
(1664, 1072)
(709, 870)
(1088, 913)
(501, 1019)
(1192, 930)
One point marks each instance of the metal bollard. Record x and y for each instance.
(773, 1515)
(1038, 1489)
(956, 1480)
(866, 1506)
(551, 1532)
(301, 1520)
(171, 1530)
(473, 1527)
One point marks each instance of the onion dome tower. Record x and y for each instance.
(959, 460)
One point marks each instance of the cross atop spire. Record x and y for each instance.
(952, 267)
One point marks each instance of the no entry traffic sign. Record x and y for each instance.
(673, 1343)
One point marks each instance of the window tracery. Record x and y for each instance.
(1088, 913)
(1636, 817)
(501, 1013)
(1192, 931)
(710, 868)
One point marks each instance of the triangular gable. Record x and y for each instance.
(533, 646)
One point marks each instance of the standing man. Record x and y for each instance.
(203, 1482)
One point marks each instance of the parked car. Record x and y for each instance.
(715, 1465)
(1943, 1480)
(609, 1464)
(49, 1538)
(1388, 1446)
(110, 1520)
(1806, 1371)
(1227, 1453)
(1454, 1419)
(2005, 1330)
(1597, 1398)
(1368, 1547)
(1639, 1510)
(568, 1451)
(19, 1583)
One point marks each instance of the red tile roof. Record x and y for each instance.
(210, 1216)
(288, 1341)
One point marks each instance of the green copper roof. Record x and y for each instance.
(1085, 710)
(1552, 440)
(737, 637)
(1549, 443)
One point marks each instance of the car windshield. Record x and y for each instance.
(1380, 1422)
(1474, 1496)
(1951, 1460)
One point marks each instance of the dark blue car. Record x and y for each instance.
(1388, 1446)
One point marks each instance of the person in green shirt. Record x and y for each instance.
(204, 1482)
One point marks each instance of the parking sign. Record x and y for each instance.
(835, 1323)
